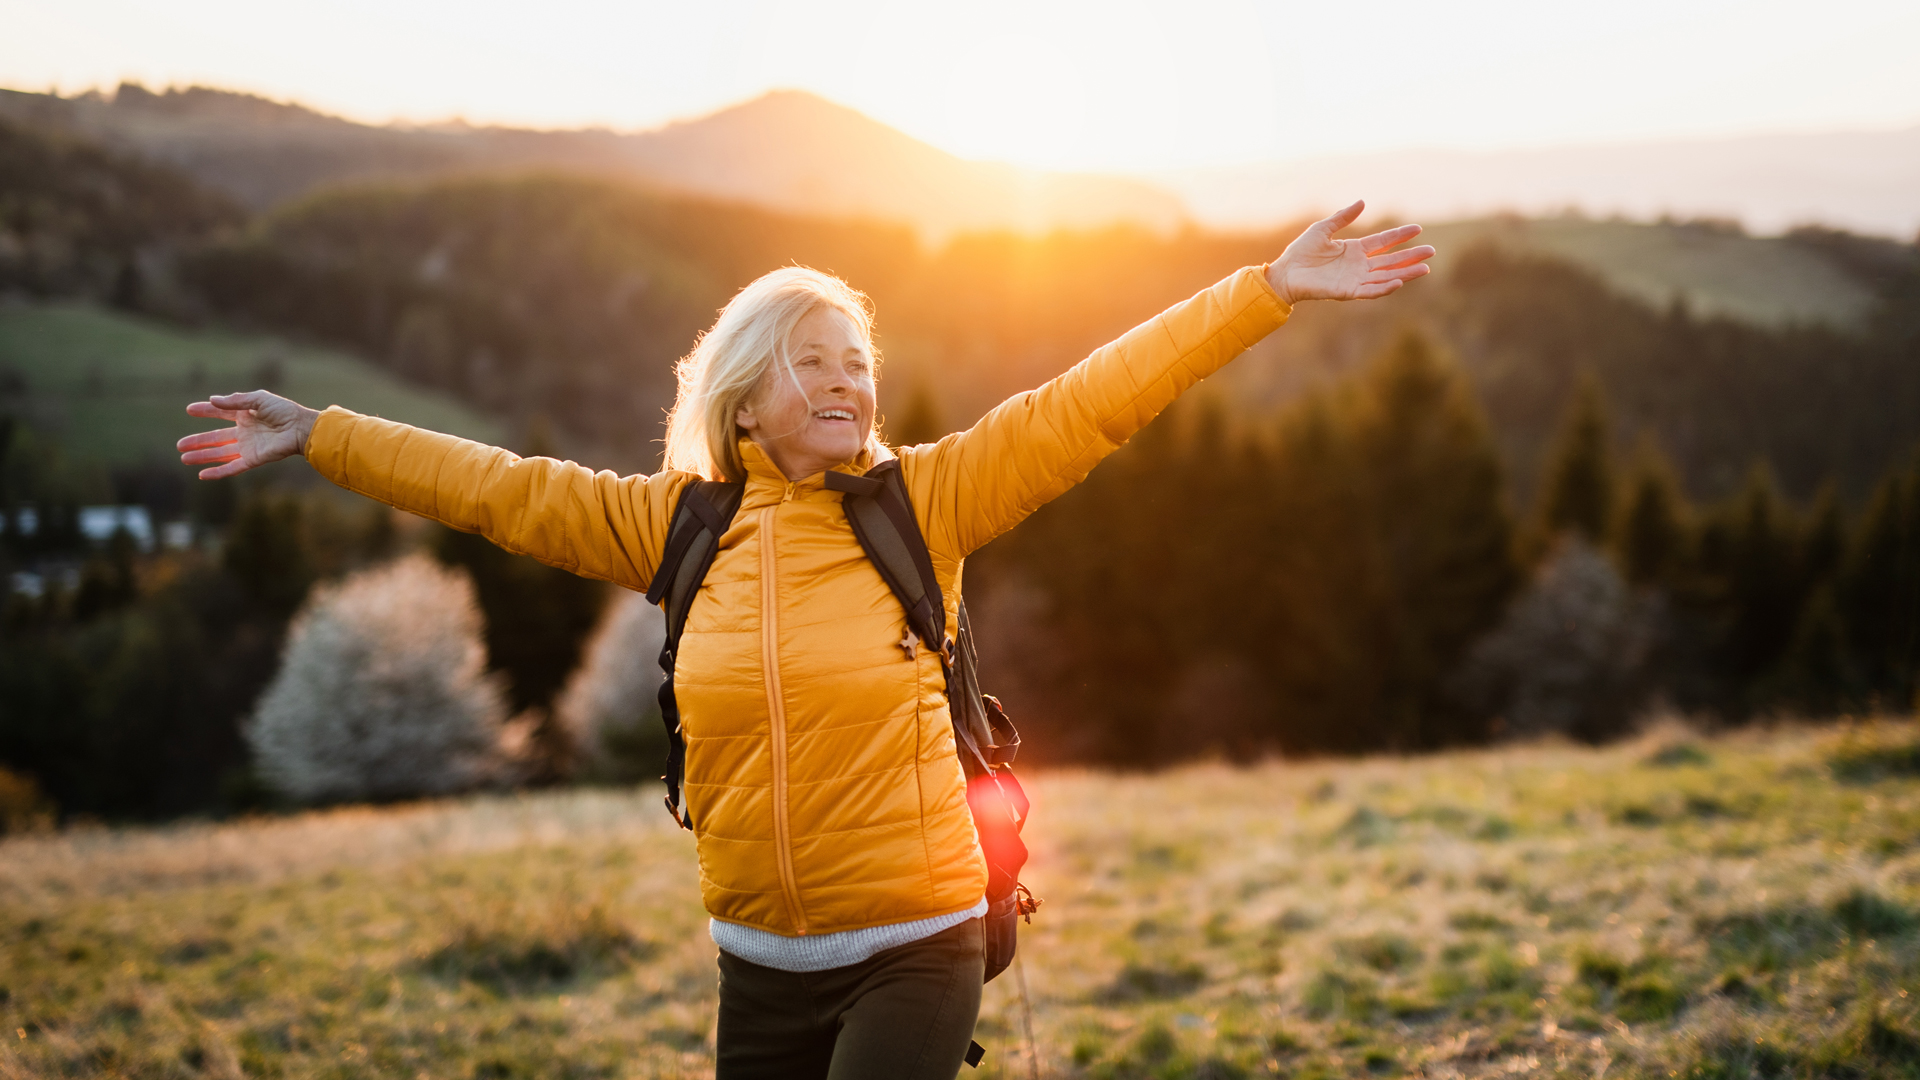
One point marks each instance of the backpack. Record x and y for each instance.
(881, 514)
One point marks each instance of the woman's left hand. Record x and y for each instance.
(1318, 267)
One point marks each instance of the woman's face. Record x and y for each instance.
(818, 414)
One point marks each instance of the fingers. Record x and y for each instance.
(1369, 291)
(210, 456)
(221, 472)
(252, 399)
(1393, 259)
(211, 411)
(1387, 238)
(1345, 217)
(1395, 278)
(222, 437)
(1400, 273)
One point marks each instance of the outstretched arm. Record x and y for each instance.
(597, 525)
(976, 484)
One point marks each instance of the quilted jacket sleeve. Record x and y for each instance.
(595, 524)
(976, 484)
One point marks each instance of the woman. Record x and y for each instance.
(837, 853)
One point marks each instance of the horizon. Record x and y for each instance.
(107, 92)
(1138, 89)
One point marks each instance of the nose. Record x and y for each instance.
(841, 382)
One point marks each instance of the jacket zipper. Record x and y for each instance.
(776, 708)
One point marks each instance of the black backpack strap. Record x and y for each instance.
(881, 514)
(882, 521)
(701, 517)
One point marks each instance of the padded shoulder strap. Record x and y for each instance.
(882, 521)
(881, 514)
(705, 510)
(701, 517)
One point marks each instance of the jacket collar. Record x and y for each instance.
(768, 483)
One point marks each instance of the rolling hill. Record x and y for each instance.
(1713, 269)
(786, 150)
(111, 388)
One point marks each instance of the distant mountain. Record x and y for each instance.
(787, 150)
(1864, 181)
(794, 151)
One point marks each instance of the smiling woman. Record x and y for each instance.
(838, 854)
(791, 364)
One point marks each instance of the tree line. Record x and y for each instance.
(1352, 575)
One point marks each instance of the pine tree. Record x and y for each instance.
(1318, 599)
(1818, 675)
(1823, 541)
(1577, 490)
(1651, 541)
(1438, 517)
(1878, 588)
(266, 552)
(1762, 594)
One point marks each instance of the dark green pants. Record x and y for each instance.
(903, 1014)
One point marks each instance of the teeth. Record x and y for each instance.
(835, 414)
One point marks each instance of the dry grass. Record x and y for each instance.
(1743, 906)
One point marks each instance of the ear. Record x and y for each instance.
(744, 418)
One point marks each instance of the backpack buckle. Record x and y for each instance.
(685, 822)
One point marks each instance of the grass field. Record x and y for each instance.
(1741, 906)
(1761, 280)
(112, 388)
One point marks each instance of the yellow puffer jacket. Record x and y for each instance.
(821, 772)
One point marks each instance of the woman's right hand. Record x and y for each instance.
(266, 427)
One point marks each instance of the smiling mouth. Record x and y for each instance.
(835, 414)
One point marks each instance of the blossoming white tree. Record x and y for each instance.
(610, 702)
(382, 691)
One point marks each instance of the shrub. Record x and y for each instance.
(1865, 764)
(1567, 659)
(381, 693)
(1382, 951)
(1147, 982)
(1648, 996)
(610, 703)
(568, 945)
(1471, 920)
(22, 807)
(1339, 993)
(1868, 914)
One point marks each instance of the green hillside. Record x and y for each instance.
(113, 388)
(1766, 281)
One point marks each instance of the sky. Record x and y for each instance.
(1102, 85)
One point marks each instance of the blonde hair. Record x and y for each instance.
(719, 375)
